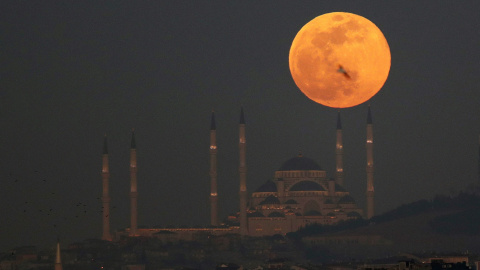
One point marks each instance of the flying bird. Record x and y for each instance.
(343, 71)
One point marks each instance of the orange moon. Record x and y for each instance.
(339, 59)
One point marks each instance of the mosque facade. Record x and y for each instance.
(298, 194)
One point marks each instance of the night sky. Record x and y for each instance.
(74, 70)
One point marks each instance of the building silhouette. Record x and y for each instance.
(298, 194)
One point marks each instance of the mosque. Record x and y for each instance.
(298, 194)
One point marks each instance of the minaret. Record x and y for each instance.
(242, 169)
(213, 173)
(133, 187)
(369, 146)
(479, 159)
(58, 259)
(105, 195)
(339, 153)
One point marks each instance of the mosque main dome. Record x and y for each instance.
(300, 163)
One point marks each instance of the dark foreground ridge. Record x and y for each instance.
(453, 215)
(443, 225)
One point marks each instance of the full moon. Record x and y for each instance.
(339, 59)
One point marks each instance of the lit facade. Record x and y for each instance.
(299, 194)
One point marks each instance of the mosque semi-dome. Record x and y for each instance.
(270, 200)
(291, 201)
(347, 199)
(269, 186)
(255, 214)
(300, 163)
(307, 186)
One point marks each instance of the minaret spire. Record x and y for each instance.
(213, 125)
(213, 173)
(133, 186)
(105, 145)
(339, 121)
(369, 116)
(478, 159)
(370, 167)
(58, 259)
(105, 193)
(339, 153)
(242, 169)
(242, 117)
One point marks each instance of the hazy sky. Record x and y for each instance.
(72, 71)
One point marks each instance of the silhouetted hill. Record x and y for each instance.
(443, 224)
